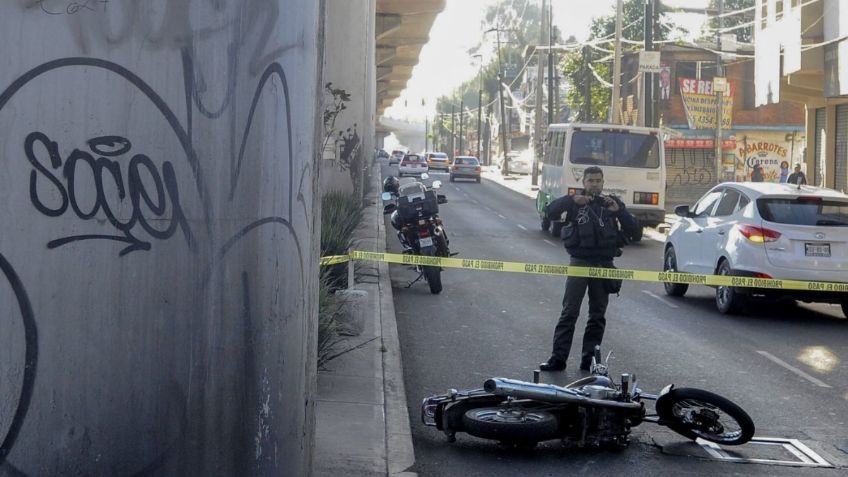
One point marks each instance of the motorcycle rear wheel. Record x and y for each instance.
(511, 426)
(434, 279)
(695, 413)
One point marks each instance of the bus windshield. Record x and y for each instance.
(617, 149)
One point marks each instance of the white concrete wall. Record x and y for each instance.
(349, 65)
(158, 247)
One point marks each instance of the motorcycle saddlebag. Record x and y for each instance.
(416, 206)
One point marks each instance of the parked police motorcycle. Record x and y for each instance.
(415, 216)
(590, 411)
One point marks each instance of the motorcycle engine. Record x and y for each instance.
(595, 391)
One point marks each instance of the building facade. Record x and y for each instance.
(771, 135)
(801, 51)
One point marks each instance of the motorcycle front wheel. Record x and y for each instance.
(513, 426)
(434, 279)
(695, 413)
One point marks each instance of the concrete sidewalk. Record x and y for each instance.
(362, 422)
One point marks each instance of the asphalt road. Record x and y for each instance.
(787, 366)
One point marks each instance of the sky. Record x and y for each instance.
(444, 62)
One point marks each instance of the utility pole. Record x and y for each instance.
(615, 113)
(719, 94)
(453, 121)
(537, 133)
(479, 105)
(461, 122)
(426, 127)
(504, 150)
(587, 94)
(550, 64)
(648, 78)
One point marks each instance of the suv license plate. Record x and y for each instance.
(425, 241)
(817, 249)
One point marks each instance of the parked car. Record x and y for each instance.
(763, 230)
(521, 163)
(465, 167)
(396, 157)
(412, 164)
(438, 160)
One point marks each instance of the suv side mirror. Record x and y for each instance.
(441, 199)
(389, 208)
(682, 211)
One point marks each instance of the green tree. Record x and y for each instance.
(576, 64)
(519, 22)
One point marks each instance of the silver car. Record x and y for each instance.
(762, 230)
(465, 167)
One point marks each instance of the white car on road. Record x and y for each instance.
(764, 230)
(412, 164)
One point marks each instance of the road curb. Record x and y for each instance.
(400, 454)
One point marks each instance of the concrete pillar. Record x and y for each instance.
(350, 65)
(158, 253)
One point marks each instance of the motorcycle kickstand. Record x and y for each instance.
(420, 276)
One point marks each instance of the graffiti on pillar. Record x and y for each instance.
(112, 152)
(115, 192)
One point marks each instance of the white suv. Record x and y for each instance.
(763, 230)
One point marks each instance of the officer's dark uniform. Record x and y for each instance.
(591, 237)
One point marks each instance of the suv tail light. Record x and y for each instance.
(477, 168)
(758, 234)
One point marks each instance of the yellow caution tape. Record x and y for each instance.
(593, 272)
(334, 259)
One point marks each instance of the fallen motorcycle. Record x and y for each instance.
(415, 216)
(592, 411)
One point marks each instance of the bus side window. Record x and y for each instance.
(548, 145)
(560, 147)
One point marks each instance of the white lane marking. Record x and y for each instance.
(501, 216)
(661, 299)
(521, 227)
(549, 242)
(795, 370)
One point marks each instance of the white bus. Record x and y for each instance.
(632, 158)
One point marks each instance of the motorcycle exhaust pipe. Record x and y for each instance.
(549, 393)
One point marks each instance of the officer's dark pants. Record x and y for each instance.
(575, 289)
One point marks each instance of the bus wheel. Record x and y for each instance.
(546, 224)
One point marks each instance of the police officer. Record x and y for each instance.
(591, 237)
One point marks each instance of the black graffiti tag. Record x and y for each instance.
(103, 169)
